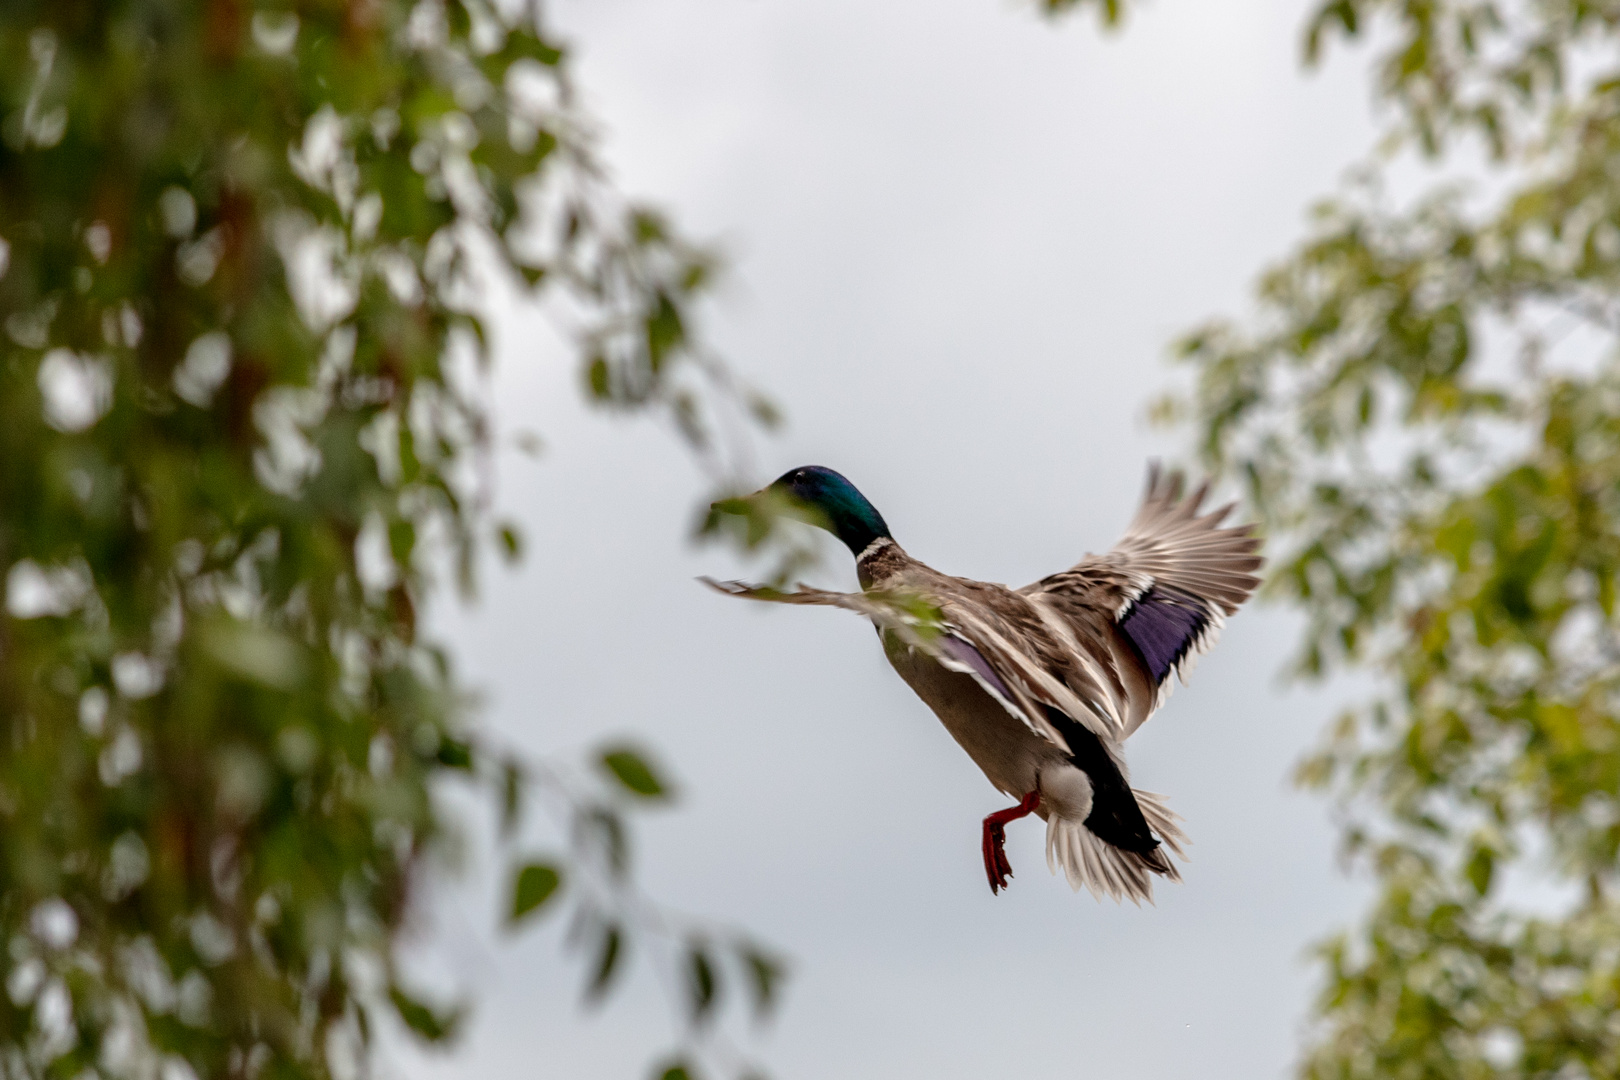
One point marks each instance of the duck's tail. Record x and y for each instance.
(1090, 862)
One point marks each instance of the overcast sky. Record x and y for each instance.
(960, 240)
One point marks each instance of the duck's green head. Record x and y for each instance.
(835, 505)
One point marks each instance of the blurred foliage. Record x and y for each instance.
(1109, 12)
(1426, 415)
(767, 524)
(243, 418)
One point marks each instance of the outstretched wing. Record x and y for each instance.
(958, 640)
(1166, 587)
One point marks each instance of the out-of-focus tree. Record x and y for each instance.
(242, 251)
(1426, 414)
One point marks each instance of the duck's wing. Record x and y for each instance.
(967, 634)
(1162, 594)
(1042, 663)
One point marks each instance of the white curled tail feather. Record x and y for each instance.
(1163, 821)
(1091, 863)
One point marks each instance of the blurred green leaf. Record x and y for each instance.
(430, 1024)
(454, 754)
(512, 780)
(1481, 867)
(765, 973)
(702, 980)
(534, 886)
(609, 952)
(603, 828)
(511, 542)
(631, 769)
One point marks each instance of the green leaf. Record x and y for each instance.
(455, 754)
(521, 44)
(633, 773)
(764, 410)
(599, 379)
(702, 981)
(601, 824)
(511, 542)
(765, 973)
(511, 796)
(534, 886)
(1481, 868)
(609, 952)
(430, 1024)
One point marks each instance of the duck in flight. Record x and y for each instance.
(1042, 685)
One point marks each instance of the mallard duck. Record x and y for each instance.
(1042, 685)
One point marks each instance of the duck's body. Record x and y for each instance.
(1042, 685)
(1010, 755)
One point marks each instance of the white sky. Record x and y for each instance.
(960, 241)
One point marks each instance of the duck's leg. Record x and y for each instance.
(996, 866)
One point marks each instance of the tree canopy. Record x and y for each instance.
(1425, 412)
(241, 254)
